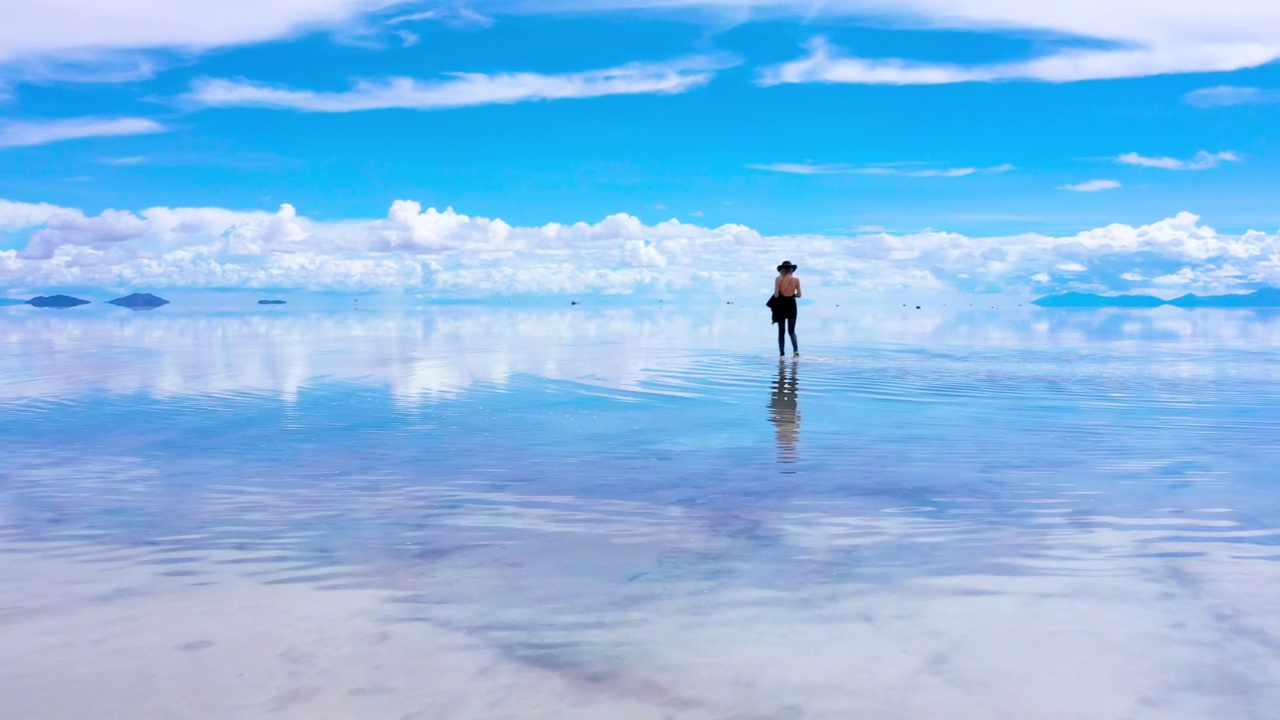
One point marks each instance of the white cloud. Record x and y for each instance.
(827, 64)
(1137, 38)
(443, 253)
(1092, 186)
(1228, 95)
(126, 160)
(52, 29)
(1202, 160)
(455, 17)
(1132, 39)
(71, 227)
(803, 168)
(20, 215)
(78, 66)
(907, 169)
(462, 89)
(1185, 276)
(28, 133)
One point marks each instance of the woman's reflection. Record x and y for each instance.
(784, 413)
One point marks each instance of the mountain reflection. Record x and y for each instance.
(435, 351)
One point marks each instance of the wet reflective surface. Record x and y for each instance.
(640, 513)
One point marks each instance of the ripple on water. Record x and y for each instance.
(629, 534)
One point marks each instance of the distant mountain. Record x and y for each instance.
(272, 302)
(139, 301)
(1264, 298)
(1077, 299)
(56, 301)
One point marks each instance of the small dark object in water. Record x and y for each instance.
(573, 302)
(139, 301)
(56, 301)
(272, 302)
(917, 307)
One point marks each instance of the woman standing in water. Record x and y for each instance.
(786, 288)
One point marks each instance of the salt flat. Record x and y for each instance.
(639, 514)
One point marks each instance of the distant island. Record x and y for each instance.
(139, 301)
(272, 302)
(1264, 298)
(56, 301)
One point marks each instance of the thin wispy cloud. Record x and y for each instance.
(127, 160)
(803, 168)
(1138, 39)
(1228, 95)
(906, 169)
(1134, 39)
(463, 89)
(454, 17)
(827, 64)
(42, 132)
(1092, 186)
(1201, 161)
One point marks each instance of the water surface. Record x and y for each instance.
(639, 513)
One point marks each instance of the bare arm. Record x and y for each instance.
(777, 286)
(797, 287)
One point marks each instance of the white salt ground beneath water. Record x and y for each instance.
(1038, 516)
(111, 640)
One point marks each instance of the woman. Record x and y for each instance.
(786, 288)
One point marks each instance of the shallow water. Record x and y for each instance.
(580, 513)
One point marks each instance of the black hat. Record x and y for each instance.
(786, 265)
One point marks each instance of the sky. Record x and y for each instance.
(635, 147)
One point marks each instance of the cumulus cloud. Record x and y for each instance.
(443, 253)
(1092, 186)
(20, 215)
(1202, 160)
(43, 132)
(73, 228)
(462, 89)
(906, 169)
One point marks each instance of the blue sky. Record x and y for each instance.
(796, 120)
